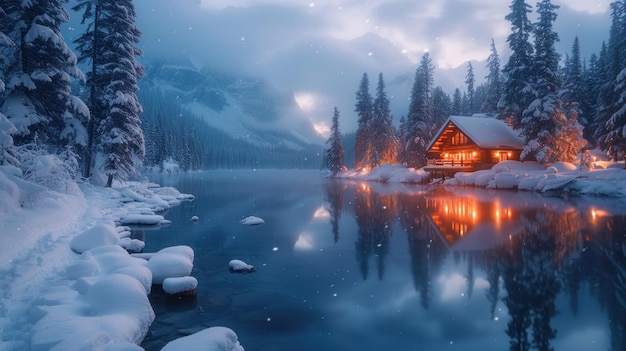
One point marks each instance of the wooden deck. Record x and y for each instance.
(447, 168)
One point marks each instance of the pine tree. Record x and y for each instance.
(6, 127)
(516, 94)
(441, 105)
(89, 47)
(469, 81)
(363, 108)
(382, 136)
(421, 125)
(334, 153)
(457, 103)
(592, 82)
(574, 91)
(547, 125)
(494, 82)
(38, 70)
(402, 137)
(110, 43)
(612, 110)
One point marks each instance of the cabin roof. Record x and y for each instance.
(485, 132)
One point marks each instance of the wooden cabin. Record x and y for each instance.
(472, 143)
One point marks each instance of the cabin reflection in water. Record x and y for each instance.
(529, 248)
(468, 223)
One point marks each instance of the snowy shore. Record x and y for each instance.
(69, 282)
(607, 179)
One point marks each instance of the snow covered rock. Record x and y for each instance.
(177, 285)
(210, 339)
(132, 245)
(144, 219)
(175, 261)
(240, 266)
(252, 220)
(111, 259)
(98, 235)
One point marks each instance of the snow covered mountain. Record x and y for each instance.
(243, 107)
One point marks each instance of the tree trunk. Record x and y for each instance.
(109, 181)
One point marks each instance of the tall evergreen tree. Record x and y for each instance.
(402, 137)
(550, 129)
(363, 108)
(88, 45)
(516, 93)
(592, 83)
(382, 135)
(457, 102)
(611, 115)
(421, 125)
(110, 43)
(494, 82)
(38, 70)
(574, 91)
(441, 105)
(334, 153)
(6, 127)
(469, 81)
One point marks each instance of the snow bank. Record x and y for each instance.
(210, 339)
(388, 173)
(90, 294)
(115, 309)
(529, 176)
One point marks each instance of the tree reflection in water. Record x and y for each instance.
(530, 248)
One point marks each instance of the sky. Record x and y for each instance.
(318, 50)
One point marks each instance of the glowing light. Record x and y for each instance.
(306, 101)
(322, 129)
(304, 242)
(321, 212)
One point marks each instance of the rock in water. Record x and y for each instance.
(239, 266)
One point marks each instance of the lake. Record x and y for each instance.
(347, 265)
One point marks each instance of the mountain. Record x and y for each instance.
(243, 107)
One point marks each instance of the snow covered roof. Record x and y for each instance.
(486, 132)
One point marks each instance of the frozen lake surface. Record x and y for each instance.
(345, 265)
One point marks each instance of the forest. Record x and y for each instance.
(560, 106)
(85, 107)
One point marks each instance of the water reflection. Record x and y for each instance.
(383, 266)
(531, 249)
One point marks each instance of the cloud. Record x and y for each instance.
(323, 47)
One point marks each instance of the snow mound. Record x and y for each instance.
(99, 235)
(252, 220)
(143, 219)
(175, 261)
(9, 194)
(132, 245)
(388, 174)
(115, 309)
(210, 339)
(177, 285)
(111, 259)
(240, 266)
